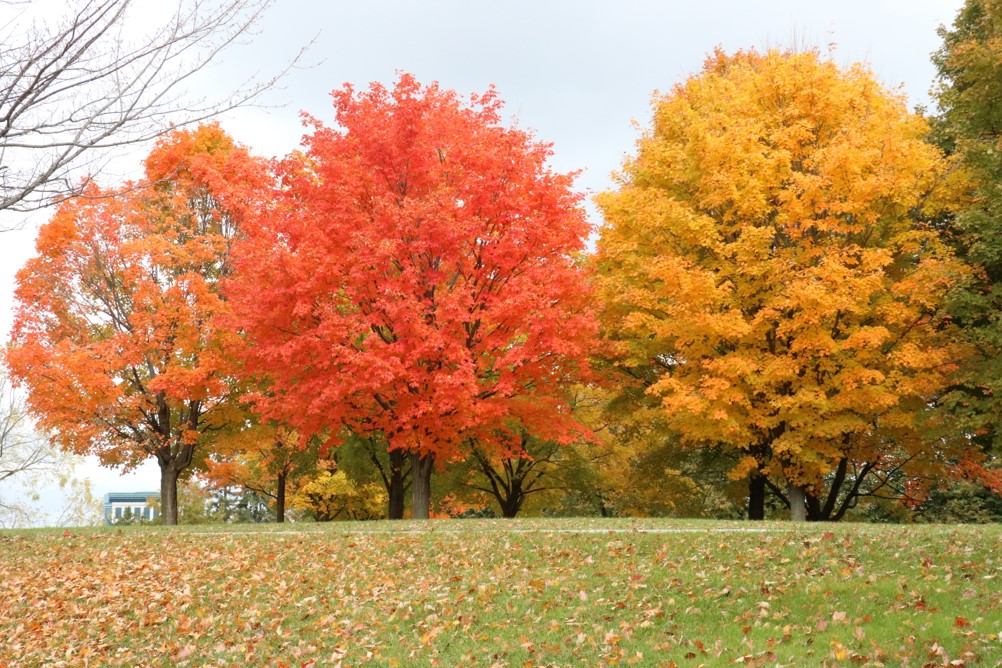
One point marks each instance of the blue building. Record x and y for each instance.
(139, 503)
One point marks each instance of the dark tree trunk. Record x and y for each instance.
(168, 493)
(798, 503)
(512, 503)
(280, 498)
(421, 468)
(171, 466)
(395, 488)
(833, 506)
(756, 496)
(814, 511)
(506, 489)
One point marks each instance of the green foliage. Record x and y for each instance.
(200, 504)
(532, 475)
(692, 483)
(964, 502)
(970, 87)
(363, 460)
(637, 466)
(241, 506)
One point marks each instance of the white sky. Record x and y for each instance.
(576, 72)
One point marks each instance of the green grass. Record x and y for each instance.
(503, 593)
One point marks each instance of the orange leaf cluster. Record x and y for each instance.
(119, 332)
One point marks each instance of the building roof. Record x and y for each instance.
(130, 497)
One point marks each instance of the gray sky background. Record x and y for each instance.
(579, 73)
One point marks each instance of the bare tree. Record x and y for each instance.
(25, 456)
(73, 88)
(21, 450)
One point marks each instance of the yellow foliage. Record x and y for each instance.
(770, 249)
(331, 496)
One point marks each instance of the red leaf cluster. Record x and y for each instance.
(416, 276)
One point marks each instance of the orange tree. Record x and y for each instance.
(118, 333)
(417, 281)
(770, 276)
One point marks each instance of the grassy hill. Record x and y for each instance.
(503, 593)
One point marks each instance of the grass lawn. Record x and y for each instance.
(503, 593)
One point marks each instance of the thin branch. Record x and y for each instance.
(79, 88)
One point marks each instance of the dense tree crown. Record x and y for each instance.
(970, 68)
(416, 277)
(118, 334)
(769, 270)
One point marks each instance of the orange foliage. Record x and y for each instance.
(118, 332)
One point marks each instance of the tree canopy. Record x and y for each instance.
(119, 332)
(970, 68)
(772, 272)
(793, 299)
(417, 278)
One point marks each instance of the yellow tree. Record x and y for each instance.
(331, 495)
(770, 274)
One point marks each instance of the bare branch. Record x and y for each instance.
(73, 89)
(26, 458)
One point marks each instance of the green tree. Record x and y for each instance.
(367, 458)
(969, 94)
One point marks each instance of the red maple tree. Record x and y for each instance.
(417, 279)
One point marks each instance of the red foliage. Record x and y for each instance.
(417, 276)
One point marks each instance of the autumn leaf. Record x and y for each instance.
(121, 308)
(394, 594)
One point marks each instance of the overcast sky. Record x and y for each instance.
(578, 73)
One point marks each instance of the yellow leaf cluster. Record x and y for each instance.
(334, 496)
(770, 250)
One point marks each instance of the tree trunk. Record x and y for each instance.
(814, 513)
(171, 465)
(168, 494)
(280, 498)
(511, 506)
(756, 496)
(421, 485)
(395, 490)
(798, 502)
